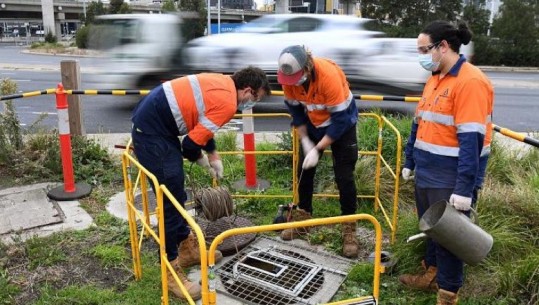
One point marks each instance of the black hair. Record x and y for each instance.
(443, 30)
(252, 77)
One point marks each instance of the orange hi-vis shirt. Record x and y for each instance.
(201, 104)
(328, 92)
(450, 139)
(453, 105)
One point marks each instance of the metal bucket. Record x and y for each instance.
(456, 232)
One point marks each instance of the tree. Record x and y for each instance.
(409, 17)
(477, 17)
(169, 6)
(119, 7)
(516, 24)
(194, 28)
(94, 9)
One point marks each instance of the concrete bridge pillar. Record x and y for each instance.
(281, 7)
(349, 7)
(47, 8)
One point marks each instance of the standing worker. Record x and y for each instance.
(448, 146)
(324, 113)
(195, 107)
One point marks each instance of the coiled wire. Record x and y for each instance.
(214, 203)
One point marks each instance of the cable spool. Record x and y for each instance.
(214, 203)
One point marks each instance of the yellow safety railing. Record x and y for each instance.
(134, 216)
(378, 268)
(382, 121)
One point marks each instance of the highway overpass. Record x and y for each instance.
(28, 17)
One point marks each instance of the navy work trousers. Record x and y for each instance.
(344, 155)
(162, 156)
(450, 275)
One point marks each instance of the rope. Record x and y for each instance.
(214, 203)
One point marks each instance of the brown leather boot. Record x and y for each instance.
(297, 215)
(424, 281)
(447, 298)
(189, 254)
(192, 288)
(350, 245)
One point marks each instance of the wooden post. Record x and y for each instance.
(70, 71)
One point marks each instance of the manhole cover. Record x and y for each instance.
(37, 209)
(271, 272)
(230, 245)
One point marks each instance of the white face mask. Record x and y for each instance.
(302, 80)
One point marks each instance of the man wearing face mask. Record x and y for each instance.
(194, 107)
(324, 113)
(448, 147)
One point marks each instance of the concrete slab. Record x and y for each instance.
(37, 209)
(27, 212)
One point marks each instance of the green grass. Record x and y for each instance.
(94, 266)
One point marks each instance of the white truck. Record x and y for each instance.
(138, 49)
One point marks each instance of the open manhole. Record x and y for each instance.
(271, 272)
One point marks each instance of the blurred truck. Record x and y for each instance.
(138, 49)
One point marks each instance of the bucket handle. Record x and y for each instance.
(423, 235)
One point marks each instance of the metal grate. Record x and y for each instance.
(271, 272)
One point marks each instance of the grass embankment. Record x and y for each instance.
(94, 266)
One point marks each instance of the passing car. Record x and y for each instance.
(393, 63)
(260, 41)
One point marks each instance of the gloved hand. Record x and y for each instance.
(307, 145)
(407, 174)
(311, 159)
(216, 164)
(460, 203)
(205, 163)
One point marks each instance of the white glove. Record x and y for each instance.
(311, 159)
(460, 203)
(217, 166)
(203, 162)
(307, 145)
(407, 174)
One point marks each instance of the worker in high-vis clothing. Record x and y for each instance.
(193, 107)
(324, 113)
(448, 146)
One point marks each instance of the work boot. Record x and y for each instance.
(350, 245)
(447, 298)
(193, 288)
(426, 280)
(189, 253)
(297, 215)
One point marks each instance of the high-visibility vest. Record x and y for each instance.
(328, 92)
(201, 104)
(454, 105)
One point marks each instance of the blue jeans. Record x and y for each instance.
(162, 156)
(450, 275)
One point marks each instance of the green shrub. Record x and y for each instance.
(81, 37)
(50, 38)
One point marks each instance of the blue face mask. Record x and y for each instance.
(249, 104)
(425, 60)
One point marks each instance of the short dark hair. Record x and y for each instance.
(442, 30)
(251, 77)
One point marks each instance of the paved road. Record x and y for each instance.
(517, 97)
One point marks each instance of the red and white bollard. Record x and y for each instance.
(70, 190)
(251, 181)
